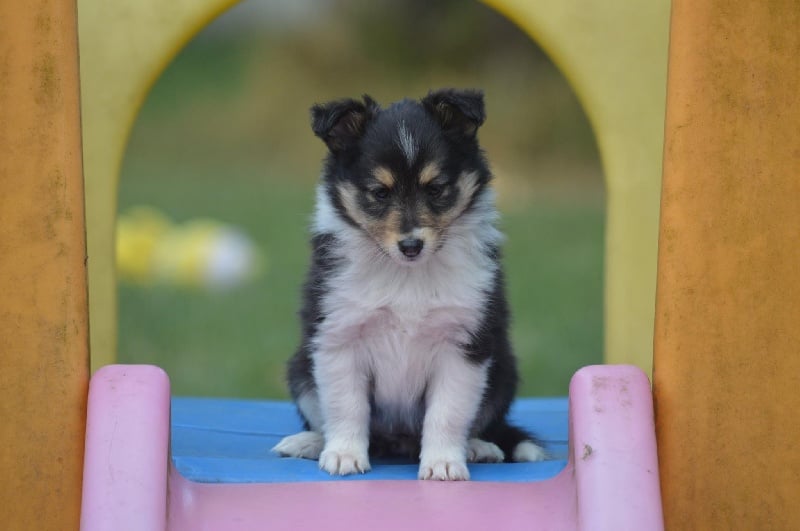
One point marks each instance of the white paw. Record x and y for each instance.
(344, 462)
(528, 451)
(306, 445)
(444, 470)
(480, 451)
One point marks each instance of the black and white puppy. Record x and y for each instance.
(405, 343)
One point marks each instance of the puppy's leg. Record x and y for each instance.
(528, 451)
(480, 451)
(306, 444)
(453, 397)
(342, 385)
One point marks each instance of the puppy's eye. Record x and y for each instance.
(380, 193)
(435, 190)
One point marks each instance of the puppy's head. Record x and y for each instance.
(406, 173)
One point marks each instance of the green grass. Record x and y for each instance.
(236, 342)
(224, 134)
(554, 266)
(221, 343)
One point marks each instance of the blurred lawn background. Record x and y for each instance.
(224, 134)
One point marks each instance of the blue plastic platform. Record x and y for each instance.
(229, 441)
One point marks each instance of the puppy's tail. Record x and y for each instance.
(517, 444)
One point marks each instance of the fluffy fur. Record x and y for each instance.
(405, 344)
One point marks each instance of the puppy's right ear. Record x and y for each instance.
(459, 111)
(341, 123)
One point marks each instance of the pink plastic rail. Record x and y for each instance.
(610, 482)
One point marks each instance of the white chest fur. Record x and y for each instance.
(397, 321)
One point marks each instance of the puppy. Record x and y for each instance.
(405, 345)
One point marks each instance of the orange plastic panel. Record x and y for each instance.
(727, 342)
(43, 308)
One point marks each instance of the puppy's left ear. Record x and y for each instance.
(460, 111)
(341, 123)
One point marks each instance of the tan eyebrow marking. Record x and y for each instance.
(384, 176)
(429, 172)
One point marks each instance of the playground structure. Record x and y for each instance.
(614, 54)
(216, 478)
(726, 340)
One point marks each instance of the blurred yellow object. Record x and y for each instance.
(124, 47)
(137, 234)
(613, 52)
(198, 253)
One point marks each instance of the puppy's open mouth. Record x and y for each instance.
(408, 260)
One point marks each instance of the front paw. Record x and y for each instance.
(342, 462)
(443, 468)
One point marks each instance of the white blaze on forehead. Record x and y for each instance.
(407, 143)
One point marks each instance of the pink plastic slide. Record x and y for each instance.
(610, 481)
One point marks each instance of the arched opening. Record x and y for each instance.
(224, 134)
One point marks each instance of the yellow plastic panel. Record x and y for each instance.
(614, 53)
(727, 350)
(44, 354)
(124, 46)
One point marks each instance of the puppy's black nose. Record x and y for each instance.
(410, 247)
